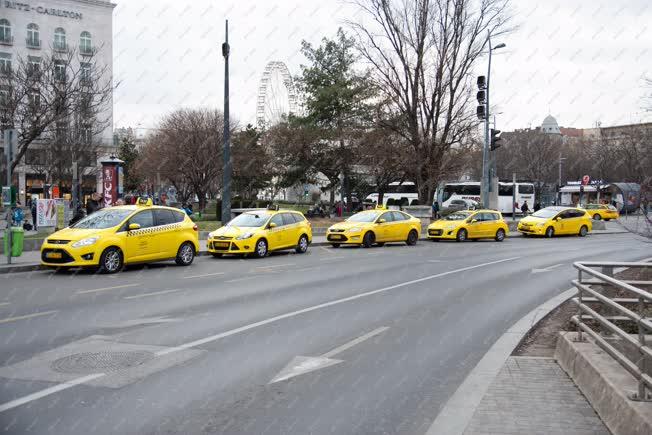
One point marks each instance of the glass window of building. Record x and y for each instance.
(60, 39)
(33, 36)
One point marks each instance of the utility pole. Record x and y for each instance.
(561, 159)
(9, 140)
(513, 196)
(226, 187)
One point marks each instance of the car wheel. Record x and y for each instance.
(550, 232)
(368, 239)
(597, 217)
(111, 260)
(583, 231)
(412, 238)
(185, 254)
(261, 248)
(302, 246)
(335, 245)
(461, 235)
(216, 255)
(500, 235)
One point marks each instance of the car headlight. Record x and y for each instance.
(355, 230)
(541, 224)
(244, 236)
(450, 227)
(85, 242)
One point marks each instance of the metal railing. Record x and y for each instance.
(598, 308)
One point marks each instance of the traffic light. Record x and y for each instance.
(481, 110)
(495, 138)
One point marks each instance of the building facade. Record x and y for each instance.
(35, 29)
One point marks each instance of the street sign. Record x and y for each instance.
(586, 180)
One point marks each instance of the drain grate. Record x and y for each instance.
(94, 362)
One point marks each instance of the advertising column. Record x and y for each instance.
(111, 183)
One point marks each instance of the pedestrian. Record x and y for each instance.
(93, 204)
(644, 205)
(524, 208)
(435, 210)
(188, 209)
(79, 215)
(338, 209)
(32, 210)
(537, 206)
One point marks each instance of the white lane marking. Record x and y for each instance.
(215, 337)
(303, 269)
(2, 304)
(305, 364)
(546, 269)
(435, 261)
(27, 316)
(144, 295)
(276, 265)
(204, 275)
(95, 290)
(355, 341)
(48, 391)
(243, 279)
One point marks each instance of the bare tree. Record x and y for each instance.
(422, 54)
(59, 96)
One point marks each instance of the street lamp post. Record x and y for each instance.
(226, 188)
(486, 182)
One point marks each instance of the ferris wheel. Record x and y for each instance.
(277, 96)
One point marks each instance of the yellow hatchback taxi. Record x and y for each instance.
(260, 232)
(552, 221)
(114, 236)
(377, 226)
(602, 211)
(470, 224)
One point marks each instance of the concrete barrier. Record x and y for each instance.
(605, 383)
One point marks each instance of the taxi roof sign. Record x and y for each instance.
(381, 207)
(144, 201)
(272, 207)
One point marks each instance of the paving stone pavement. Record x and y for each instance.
(533, 395)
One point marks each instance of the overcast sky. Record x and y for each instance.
(581, 61)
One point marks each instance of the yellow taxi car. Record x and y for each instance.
(469, 224)
(260, 232)
(377, 226)
(112, 237)
(602, 211)
(552, 221)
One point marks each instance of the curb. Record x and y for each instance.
(460, 408)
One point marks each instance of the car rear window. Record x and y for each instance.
(164, 217)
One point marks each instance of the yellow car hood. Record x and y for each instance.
(443, 224)
(233, 231)
(75, 234)
(533, 220)
(349, 225)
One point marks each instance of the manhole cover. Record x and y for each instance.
(94, 362)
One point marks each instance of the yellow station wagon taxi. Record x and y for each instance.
(602, 211)
(552, 221)
(376, 226)
(471, 224)
(115, 236)
(259, 232)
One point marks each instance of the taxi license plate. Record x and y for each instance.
(221, 245)
(336, 237)
(53, 255)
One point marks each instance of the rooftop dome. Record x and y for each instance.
(550, 126)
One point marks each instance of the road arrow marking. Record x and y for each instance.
(305, 364)
(547, 269)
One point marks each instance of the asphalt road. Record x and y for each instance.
(389, 333)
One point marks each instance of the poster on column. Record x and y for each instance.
(109, 185)
(46, 212)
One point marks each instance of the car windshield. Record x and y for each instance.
(249, 220)
(107, 218)
(366, 216)
(459, 216)
(545, 213)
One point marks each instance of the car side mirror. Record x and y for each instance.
(381, 221)
(272, 225)
(133, 227)
(557, 219)
(474, 221)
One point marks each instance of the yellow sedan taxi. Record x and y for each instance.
(112, 237)
(377, 226)
(470, 224)
(260, 232)
(552, 221)
(602, 211)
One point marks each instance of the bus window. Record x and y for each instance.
(526, 189)
(505, 190)
(471, 190)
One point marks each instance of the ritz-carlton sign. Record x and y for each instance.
(41, 10)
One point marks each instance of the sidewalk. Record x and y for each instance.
(533, 395)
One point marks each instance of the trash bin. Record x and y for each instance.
(17, 240)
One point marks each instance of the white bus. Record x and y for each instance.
(396, 191)
(447, 192)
